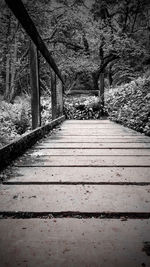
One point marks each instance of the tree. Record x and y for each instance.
(118, 44)
(90, 40)
(97, 37)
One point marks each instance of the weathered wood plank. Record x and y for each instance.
(88, 122)
(93, 126)
(96, 131)
(89, 152)
(93, 145)
(77, 242)
(78, 174)
(87, 198)
(84, 161)
(103, 134)
(93, 139)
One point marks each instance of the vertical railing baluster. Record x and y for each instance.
(53, 95)
(35, 90)
(61, 98)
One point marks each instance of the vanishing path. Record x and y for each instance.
(79, 198)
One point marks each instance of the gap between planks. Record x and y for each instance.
(76, 183)
(73, 214)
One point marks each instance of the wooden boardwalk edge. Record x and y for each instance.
(11, 151)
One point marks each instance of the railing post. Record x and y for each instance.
(102, 89)
(53, 95)
(35, 91)
(61, 98)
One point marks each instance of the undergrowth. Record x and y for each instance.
(15, 119)
(129, 105)
(82, 108)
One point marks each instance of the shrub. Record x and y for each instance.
(129, 104)
(82, 108)
(46, 112)
(15, 119)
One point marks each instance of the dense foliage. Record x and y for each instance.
(129, 105)
(15, 118)
(82, 108)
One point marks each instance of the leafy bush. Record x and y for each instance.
(82, 108)
(22, 122)
(46, 111)
(15, 119)
(129, 104)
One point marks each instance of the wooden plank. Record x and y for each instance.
(93, 145)
(84, 133)
(92, 139)
(84, 161)
(98, 128)
(78, 174)
(58, 136)
(22, 15)
(97, 131)
(93, 125)
(35, 90)
(104, 132)
(88, 122)
(98, 134)
(74, 242)
(89, 152)
(87, 198)
(72, 239)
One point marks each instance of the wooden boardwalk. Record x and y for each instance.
(80, 197)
